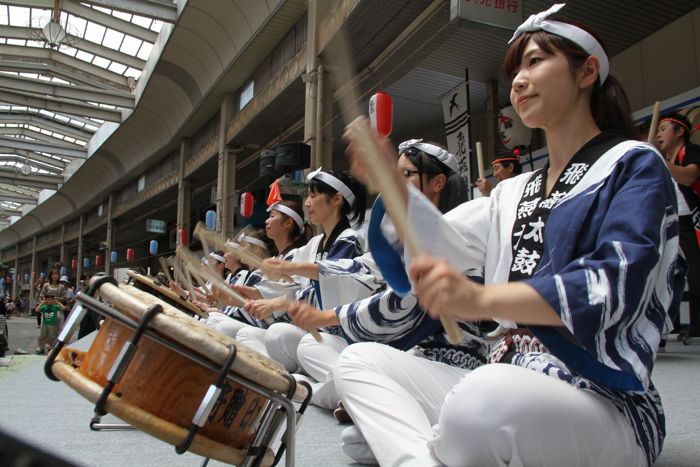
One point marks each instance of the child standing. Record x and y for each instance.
(48, 309)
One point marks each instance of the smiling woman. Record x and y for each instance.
(563, 250)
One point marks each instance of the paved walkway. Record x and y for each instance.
(51, 416)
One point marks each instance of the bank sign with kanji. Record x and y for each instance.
(501, 13)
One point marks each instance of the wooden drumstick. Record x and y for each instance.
(654, 122)
(205, 275)
(480, 159)
(380, 174)
(206, 235)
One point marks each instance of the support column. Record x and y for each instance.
(492, 134)
(310, 78)
(226, 186)
(184, 189)
(15, 282)
(109, 267)
(32, 298)
(62, 254)
(79, 271)
(324, 127)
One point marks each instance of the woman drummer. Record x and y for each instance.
(334, 199)
(387, 316)
(286, 229)
(230, 318)
(595, 286)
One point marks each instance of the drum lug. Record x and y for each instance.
(205, 407)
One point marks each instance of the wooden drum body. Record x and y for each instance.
(164, 383)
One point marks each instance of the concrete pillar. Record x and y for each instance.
(226, 186)
(324, 127)
(310, 78)
(15, 292)
(33, 269)
(79, 271)
(62, 255)
(184, 189)
(109, 267)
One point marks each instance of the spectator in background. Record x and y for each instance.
(504, 167)
(49, 308)
(68, 295)
(683, 160)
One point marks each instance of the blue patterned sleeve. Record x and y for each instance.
(616, 275)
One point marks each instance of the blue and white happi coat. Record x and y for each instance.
(348, 244)
(610, 267)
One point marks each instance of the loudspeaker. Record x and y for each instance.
(267, 164)
(292, 156)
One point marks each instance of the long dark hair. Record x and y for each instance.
(356, 212)
(455, 191)
(51, 273)
(299, 236)
(609, 104)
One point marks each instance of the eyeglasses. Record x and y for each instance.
(408, 172)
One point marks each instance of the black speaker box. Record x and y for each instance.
(267, 164)
(292, 156)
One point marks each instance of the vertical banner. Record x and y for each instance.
(455, 110)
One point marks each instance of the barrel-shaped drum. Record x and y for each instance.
(163, 385)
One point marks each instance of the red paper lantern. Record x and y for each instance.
(247, 201)
(74, 263)
(98, 260)
(129, 254)
(182, 237)
(380, 113)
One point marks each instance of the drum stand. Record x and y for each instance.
(280, 411)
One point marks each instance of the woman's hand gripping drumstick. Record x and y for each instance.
(372, 158)
(371, 164)
(218, 242)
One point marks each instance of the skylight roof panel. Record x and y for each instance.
(85, 56)
(113, 39)
(101, 62)
(145, 51)
(95, 32)
(130, 45)
(19, 16)
(142, 21)
(117, 68)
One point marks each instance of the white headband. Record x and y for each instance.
(333, 181)
(568, 31)
(235, 245)
(253, 240)
(288, 211)
(436, 151)
(217, 257)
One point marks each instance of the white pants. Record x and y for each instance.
(496, 415)
(230, 327)
(279, 342)
(253, 338)
(318, 359)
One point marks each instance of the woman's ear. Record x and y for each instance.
(589, 72)
(438, 182)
